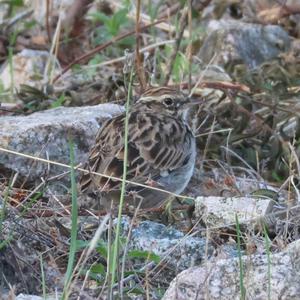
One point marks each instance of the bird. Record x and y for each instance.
(161, 151)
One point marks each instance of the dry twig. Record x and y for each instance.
(139, 67)
(179, 35)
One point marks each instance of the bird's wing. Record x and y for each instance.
(156, 144)
(103, 157)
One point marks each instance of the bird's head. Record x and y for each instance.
(165, 100)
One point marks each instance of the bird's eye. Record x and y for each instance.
(168, 101)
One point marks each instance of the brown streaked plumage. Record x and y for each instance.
(161, 149)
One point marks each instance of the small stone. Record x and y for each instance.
(222, 211)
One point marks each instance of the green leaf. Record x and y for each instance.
(80, 244)
(30, 24)
(135, 291)
(144, 255)
(102, 249)
(266, 194)
(99, 17)
(92, 69)
(277, 177)
(98, 269)
(101, 37)
(135, 272)
(59, 101)
(127, 42)
(96, 60)
(16, 2)
(76, 68)
(115, 22)
(180, 66)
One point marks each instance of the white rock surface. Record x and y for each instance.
(28, 68)
(220, 280)
(222, 211)
(28, 297)
(32, 297)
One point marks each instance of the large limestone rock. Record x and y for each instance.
(276, 277)
(46, 135)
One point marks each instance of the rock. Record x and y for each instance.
(263, 279)
(222, 211)
(12, 266)
(46, 135)
(28, 68)
(40, 8)
(232, 42)
(177, 249)
(32, 297)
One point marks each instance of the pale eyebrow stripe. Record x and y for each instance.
(149, 98)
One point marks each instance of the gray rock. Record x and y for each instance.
(232, 42)
(177, 249)
(174, 247)
(46, 135)
(222, 211)
(28, 297)
(32, 297)
(220, 279)
(28, 68)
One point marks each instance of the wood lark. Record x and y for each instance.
(161, 150)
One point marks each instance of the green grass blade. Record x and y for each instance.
(116, 242)
(74, 211)
(43, 277)
(3, 209)
(238, 232)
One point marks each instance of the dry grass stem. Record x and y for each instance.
(178, 38)
(139, 64)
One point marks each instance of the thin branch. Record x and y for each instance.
(48, 29)
(139, 67)
(190, 47)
